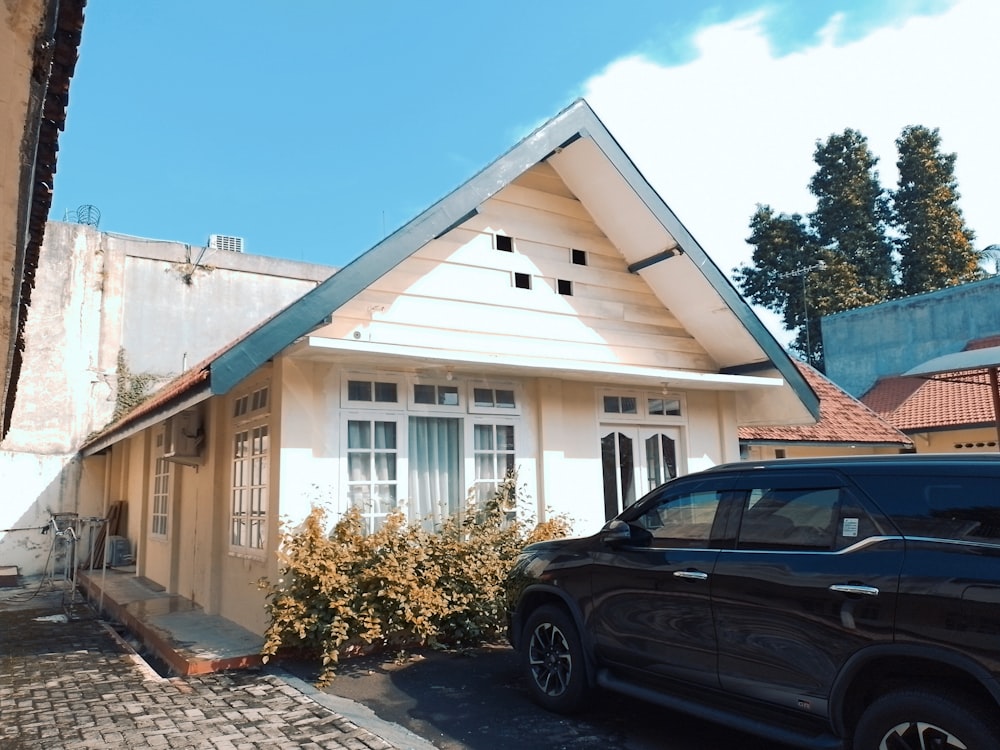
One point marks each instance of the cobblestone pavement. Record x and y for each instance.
(67, 680)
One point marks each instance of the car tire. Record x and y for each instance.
(919, 719)
(553, 662)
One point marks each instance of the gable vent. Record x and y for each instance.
(225, 242)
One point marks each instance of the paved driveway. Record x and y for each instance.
(477, 700)
(68, 681)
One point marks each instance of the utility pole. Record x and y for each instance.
(803, 273)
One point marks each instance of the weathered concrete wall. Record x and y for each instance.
(97, 293)
(864, 345)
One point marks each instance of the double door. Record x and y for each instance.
(634, 460)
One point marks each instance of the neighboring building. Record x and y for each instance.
(39, 40)
(954, 413)
(105, 305)
(863, 345)
(869, 351)
(552, 314)
(845, 427)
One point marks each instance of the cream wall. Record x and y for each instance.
(980, 440)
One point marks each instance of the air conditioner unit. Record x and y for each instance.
(119, 552)
(225, 242)
(183, 437)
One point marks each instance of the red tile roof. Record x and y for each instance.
(959, 399)
(843, 419)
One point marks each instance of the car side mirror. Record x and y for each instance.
(616, 532)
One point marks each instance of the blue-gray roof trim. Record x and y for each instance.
(576, 121)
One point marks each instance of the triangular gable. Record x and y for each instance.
(715, 312)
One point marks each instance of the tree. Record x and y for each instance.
(852, 212)
(935, 246)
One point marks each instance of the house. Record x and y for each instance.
(550, 315)
(113, 317)
(875, 353)
(845, 427)
(39, 39)
(948, 410)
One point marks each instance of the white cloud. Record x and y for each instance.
(738, 125)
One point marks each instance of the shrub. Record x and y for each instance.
(345, 593)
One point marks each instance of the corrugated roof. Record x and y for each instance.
(843, 419)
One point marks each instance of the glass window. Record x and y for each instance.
(435, 464)
(161, 495)
(437, 395)
(372, 391)
(681, 519)
(494, 398)
(944, 506)
(620, 405)
(248, 517)
(664, 407)
(372, 451)
(792, 519)
(493, 447)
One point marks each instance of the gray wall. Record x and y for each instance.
(94, 294)
(863, 345)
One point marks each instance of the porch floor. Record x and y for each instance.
(175, 629)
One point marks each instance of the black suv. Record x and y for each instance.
(824, 603)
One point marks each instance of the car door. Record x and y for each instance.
(651, 608)
(813, 578)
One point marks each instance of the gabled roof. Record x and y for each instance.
(958, 398)
(843, 421)
(626, 208)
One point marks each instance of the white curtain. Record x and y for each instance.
(435, 463)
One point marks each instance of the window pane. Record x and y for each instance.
(385, 466)
(359, 467)
(482, 396)
(485, 466)
(359, 435)
(505, 399)
(359, 390)
(778, 518)
(386, 393)
(611, 405)
(483, 437)
(682, 520)
(385, 435)
(424, 394)
(505, 437)
(629, 405)
(448, 395)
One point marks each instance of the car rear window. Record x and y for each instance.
(941, 507)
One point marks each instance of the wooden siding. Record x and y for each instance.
(457, 293)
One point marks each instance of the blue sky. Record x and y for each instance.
(313, 128)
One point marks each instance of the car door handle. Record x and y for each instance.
(694, 575)
(853, 588)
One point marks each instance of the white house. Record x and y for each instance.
(551, 314)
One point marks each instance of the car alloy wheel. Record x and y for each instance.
(919, 735)
(550, 659)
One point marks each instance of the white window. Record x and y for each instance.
(250, 467)
(362, 391)
(642, 406)
(161, 491)
(493, 449)
(494, 398)
(372, 460)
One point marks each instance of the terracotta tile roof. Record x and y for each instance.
(843, 419)
(960, 399)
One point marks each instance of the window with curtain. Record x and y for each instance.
(435, 462)
(493, 447)
(372, 453)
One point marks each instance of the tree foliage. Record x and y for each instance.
(935, 246)
(862, 245)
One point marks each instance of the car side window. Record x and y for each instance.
(958, 507)
(802, 518)
(682, 519)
